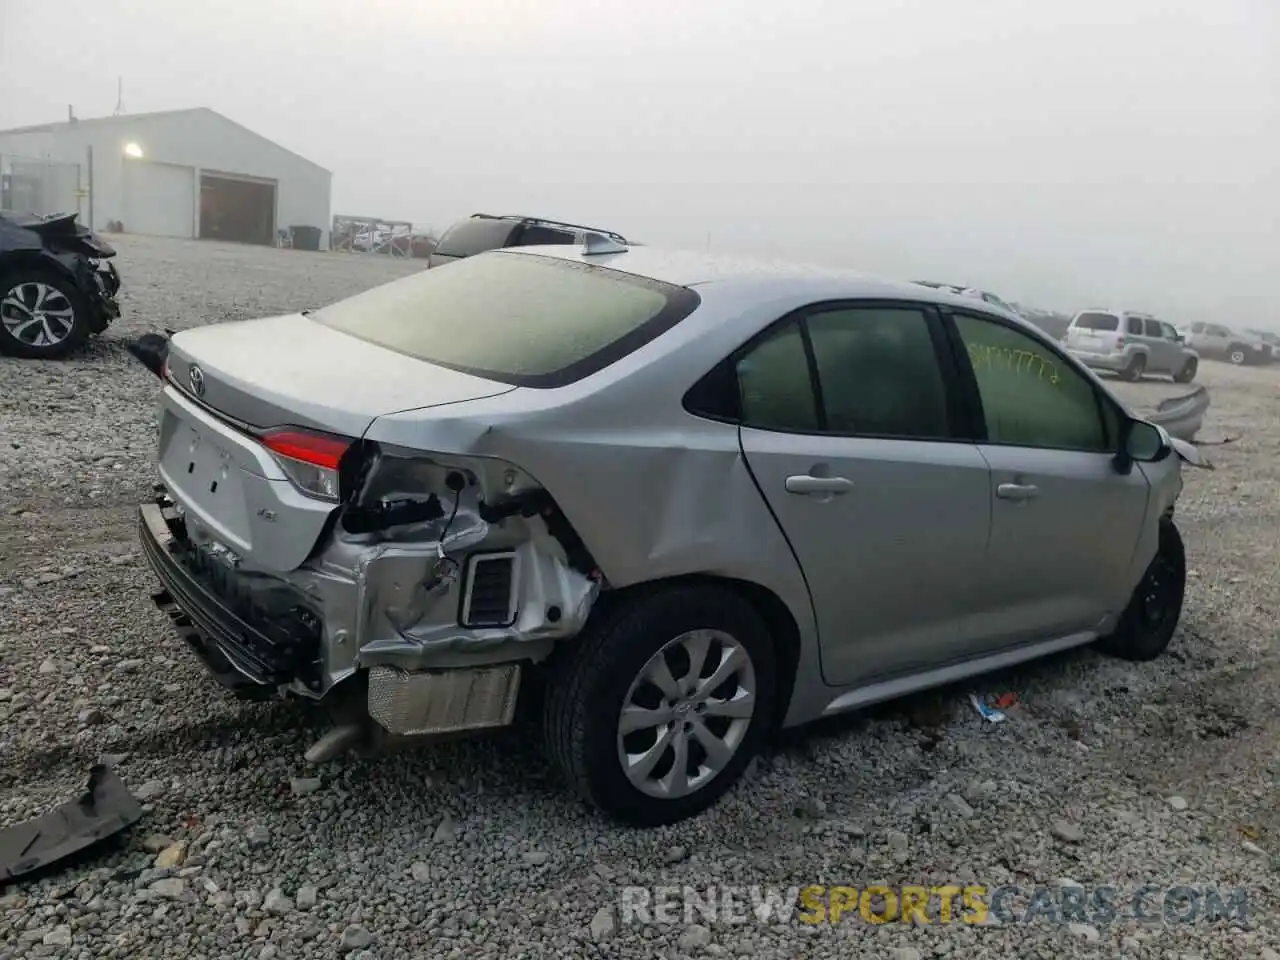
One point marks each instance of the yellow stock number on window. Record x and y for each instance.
(984, 356)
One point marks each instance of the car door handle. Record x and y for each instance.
(805, 484)
(1017, 491)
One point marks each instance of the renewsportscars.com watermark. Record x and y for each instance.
(968, 904)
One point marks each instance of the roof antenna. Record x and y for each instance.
(119, 97)
(595, 244)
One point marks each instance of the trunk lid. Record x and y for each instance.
(290, 371)
(278, 372)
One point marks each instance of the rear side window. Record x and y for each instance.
(1097, 321)
(469, 237)
(535, 234)
(1134, 325)
(517, 318)
(878, 373)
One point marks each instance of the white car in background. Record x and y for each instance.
(984, 295)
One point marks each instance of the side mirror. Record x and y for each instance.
(1141, 442)
(1179, 338)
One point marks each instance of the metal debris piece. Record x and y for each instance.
(105, 808)
(1182, 416)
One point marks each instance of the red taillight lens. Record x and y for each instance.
(310, 460)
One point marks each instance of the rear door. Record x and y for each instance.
(1064, 523)
(848, 429)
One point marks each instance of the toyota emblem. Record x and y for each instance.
(196, 376)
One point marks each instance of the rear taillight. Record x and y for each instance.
(309, 460)
(1120, 340)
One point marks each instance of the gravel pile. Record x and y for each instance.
(1104, 772)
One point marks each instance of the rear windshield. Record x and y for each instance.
(518, 318)
(1097, 321)
(469, 237)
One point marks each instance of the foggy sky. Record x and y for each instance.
(1066, 154)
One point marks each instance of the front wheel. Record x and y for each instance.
(657, 707)
(1187, 373)
(42, 315)
(1148, 622)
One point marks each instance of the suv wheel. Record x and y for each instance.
(1238, 355)
(659, 705)
(1136, 368)
(42, 315)
(1187, 373)
(1147, 624)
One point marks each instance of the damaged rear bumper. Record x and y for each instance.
(236, 651)
(373, 618)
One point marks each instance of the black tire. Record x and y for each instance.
(1145, 628)
(588, 686)
(1136, 368)
(17, 282)
(1188, 371)
(1237, 354)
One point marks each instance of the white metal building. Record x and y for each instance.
(180, 173)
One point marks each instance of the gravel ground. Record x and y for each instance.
(1105, 773)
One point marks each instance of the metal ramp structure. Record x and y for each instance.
(373, 235)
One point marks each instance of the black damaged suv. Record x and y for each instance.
(483, 231)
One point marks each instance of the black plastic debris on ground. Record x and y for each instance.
(106, 808)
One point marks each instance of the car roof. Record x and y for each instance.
(688, 268)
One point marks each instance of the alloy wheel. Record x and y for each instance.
(1237, 357)
(1161, 591)
(37, 314)
(686, 714)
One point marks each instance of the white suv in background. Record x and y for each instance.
(1131, 344)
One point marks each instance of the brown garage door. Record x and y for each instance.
(240, 209)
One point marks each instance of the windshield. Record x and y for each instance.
(469, 237)
(514, 317)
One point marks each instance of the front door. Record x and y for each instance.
(887, 514)
(1064, 523)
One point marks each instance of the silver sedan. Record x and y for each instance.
(674, 500)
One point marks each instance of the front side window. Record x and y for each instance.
(516, 318)
(1030, 396)
(1153, 328)
(1168, 332)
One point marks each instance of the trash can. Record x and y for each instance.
(305, 238)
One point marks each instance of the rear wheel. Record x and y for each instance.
(1187, 373)
(42, 315)
(1148, 622)
(1137, 366)
(1238, 355)
(657, 708)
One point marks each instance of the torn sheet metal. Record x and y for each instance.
(105, 808)
(1190, 453)
(1182, 416)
